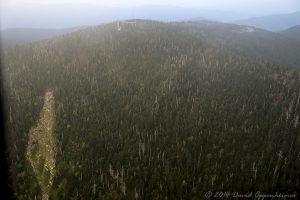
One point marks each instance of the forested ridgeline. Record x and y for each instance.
(153, 112)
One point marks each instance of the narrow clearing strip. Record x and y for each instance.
(41, 146)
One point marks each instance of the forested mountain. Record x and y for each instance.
(151, 111)
(16, 36)
(246, 40)
(293, 33)
(273, 22)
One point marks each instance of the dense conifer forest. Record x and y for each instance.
(152, 111)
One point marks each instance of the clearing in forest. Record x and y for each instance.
(41, 146)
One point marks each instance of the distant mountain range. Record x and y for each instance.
(38, 16)
(280, 48)
(273, 22)
(293, 33)
(79, 15)
(17, 36)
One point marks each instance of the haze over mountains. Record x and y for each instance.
(65, 16)
(281, 48)
(82, 15)
(18, 36)
(96, 15)
(273, 22)
(293, 33)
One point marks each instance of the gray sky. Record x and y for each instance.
(261, 6)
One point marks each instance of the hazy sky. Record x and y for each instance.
(279, 6)
(71, 13)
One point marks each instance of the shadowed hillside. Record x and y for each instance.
(293, 33)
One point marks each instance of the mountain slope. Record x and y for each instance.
(274, 22)
(249, 41)
(293, 33)
(153, 111)
(17, 36)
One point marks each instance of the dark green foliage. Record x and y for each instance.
(154, 112)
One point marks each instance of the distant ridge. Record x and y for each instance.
(274, 23)
(43, 17)
(248, 40)
(293, 33)
(17, 36)
(198, 19)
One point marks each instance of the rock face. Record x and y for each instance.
(41, 146)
